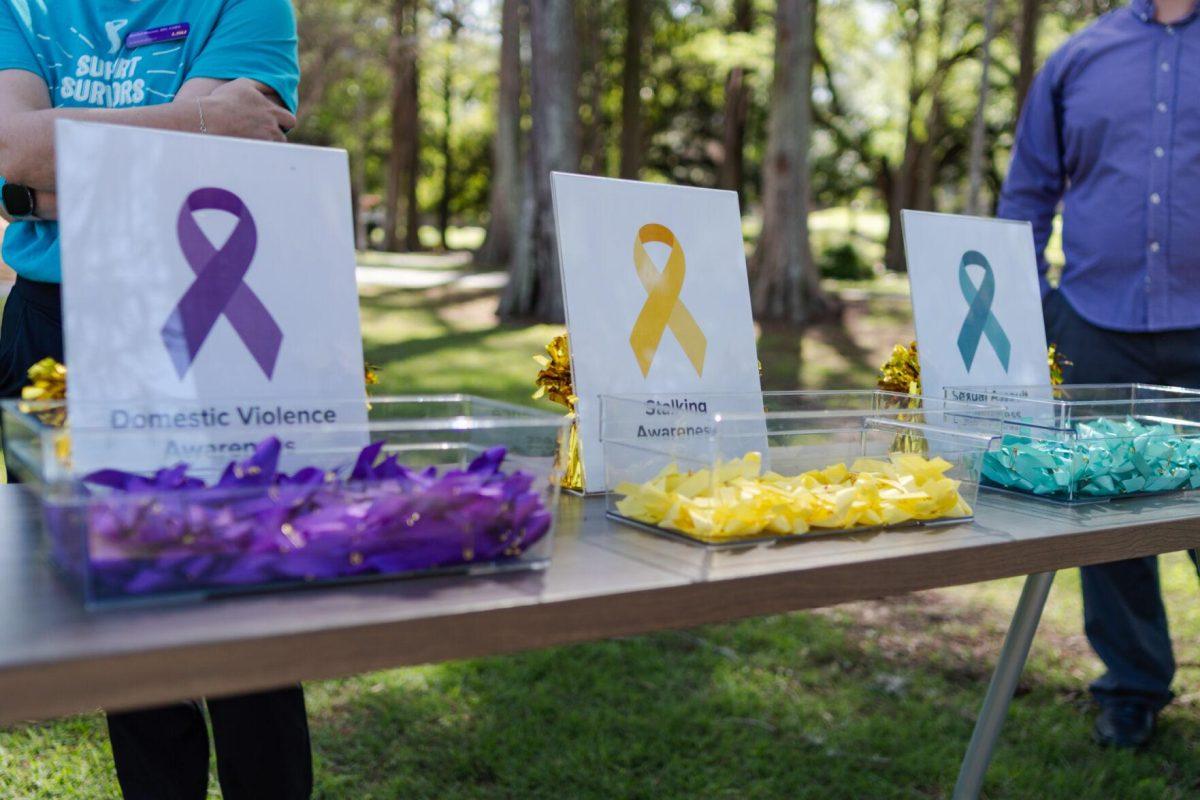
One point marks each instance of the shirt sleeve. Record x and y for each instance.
(1036, 175)
(254, 39)
(15, 52)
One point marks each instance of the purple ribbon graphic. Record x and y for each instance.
(219, 287)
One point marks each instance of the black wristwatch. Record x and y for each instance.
(20, 202)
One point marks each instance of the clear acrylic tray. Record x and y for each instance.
(458, 484)
(808, 463)
(1086, 443)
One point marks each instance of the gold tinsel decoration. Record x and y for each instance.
(370, 378)
(1057, 361)
(902, 372)
(554, 382)
(47, 383)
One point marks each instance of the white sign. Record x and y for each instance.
(657, 301)
(976, 302)
(209, 296)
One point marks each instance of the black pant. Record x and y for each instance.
(31, 330)
(1123, 611)
(262, 744)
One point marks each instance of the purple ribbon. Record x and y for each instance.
(219, 287)
(173, 532)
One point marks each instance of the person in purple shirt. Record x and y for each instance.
(1111, 131)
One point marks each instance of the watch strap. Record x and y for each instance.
(20, 202)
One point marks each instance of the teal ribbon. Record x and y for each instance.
(1105, 458)
(980, 320)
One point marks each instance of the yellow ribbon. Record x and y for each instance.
(737, 499)
(663, 308)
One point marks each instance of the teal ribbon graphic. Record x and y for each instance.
(980, 320)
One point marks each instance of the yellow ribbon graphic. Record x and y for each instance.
(663, 308)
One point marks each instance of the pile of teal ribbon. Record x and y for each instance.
(1105, 458)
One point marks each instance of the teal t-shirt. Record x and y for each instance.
(80, 48)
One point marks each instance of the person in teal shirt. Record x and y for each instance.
(218, 67)
(87, 54)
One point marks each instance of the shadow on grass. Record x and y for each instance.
(432, 300)
(788, 365)
(794, 706)
(839, 359)
(781, 353)
(843, 343)
(385, 353)
(474, 361)
(470, 341)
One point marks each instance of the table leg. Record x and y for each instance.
(1004, 682)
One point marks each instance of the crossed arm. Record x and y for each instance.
(241, 108)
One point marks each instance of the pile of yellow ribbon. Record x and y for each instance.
(735, 500)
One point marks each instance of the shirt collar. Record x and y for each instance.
(1144, 10)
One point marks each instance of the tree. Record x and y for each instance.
(504, 204)
(535, 285)
(1031, 14)
(404, 160)
(979, 129)
(324, 36)
(454, 22)
(784, 284)
(927, 138)
(631, 90)
(737, 105)
(595, 29)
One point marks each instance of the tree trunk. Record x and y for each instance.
(412, 153)
(631, 90)
(447, 197)
(902, 180)
(397, 47)
(593, 62)
(893, 251)
(401, 186)
(535, 285)
(927, 157)
(731, 174)
(504, 204)
(358, 175)
(1031, 15)
(522, 277)
(784, 284)
(914, 181)
(903, 194)
(979, 129)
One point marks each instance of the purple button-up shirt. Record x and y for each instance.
(1112, 130)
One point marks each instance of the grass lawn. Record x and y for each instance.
(867, 700)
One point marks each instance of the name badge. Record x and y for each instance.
(167, 33)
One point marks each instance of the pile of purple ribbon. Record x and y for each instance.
(256, 525)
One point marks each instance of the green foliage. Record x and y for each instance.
(844, 262)
(894, 79)
(346, 93)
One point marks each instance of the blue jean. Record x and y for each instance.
(1123, 611)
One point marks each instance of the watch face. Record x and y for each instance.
(18, 200)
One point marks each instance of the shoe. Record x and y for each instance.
(1124, 724)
